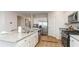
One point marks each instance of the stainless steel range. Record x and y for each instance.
(65, 36)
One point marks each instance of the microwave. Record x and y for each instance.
(73, 18)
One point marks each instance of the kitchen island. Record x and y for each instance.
(15, 39)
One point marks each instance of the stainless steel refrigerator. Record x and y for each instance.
(43, 25)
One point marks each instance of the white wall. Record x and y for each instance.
(56, 20)
(10, 17)
(5, 19)
(59, 21)
(2, 21)
(51, 24)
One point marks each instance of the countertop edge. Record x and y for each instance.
(21, 38)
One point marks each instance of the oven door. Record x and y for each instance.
(65, 39)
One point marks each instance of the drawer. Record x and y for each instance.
(20, 43)
(23, 43)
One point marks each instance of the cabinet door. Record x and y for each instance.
(27, 42)
(30, 41)
(74, 42)
(33, 39)
(36, 39)
(71, 42)
(20, 43)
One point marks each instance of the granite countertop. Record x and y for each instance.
(14, 37)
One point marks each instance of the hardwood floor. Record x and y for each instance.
(47, 41)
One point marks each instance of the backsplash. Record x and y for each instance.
(75, 25)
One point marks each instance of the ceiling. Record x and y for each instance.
(32, 12)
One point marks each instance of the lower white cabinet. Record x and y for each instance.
(20, 40)
(74, 42)
(23, 43)
(30, 41)
(71, 42)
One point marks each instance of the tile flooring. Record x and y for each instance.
(47, 41)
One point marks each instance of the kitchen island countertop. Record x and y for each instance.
(14, 37)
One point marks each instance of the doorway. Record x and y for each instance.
(18, 21)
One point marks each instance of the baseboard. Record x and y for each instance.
(37, 42)
(54, 37)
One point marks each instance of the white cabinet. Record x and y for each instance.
(23, 43)
(33, 40)
(71, 42)
(19, 39)
(74, 42)
(30, 41)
